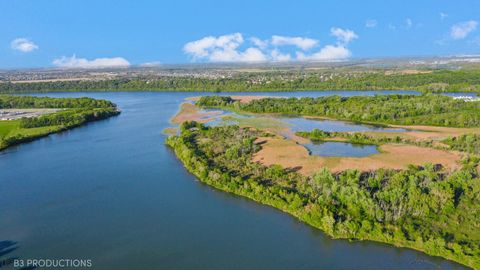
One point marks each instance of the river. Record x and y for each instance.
(112, 192)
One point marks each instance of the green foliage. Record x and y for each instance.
(76, 111)
(25, 102)
(384, 109)
(361, 138)
(68, 118)
(275, 80)
(8, 126)
(216, 101)
(467, 143)
(419, 207)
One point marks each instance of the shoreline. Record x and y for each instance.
(303, 217)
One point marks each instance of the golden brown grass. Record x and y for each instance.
(289, 154)
(190, 112)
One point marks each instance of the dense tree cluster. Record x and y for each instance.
(68, 118)
(427, 109)
(425, 208)
(25, 102)
(75, 112)
(435, 81)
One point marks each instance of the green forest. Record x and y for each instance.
(467, 80)
(428, 109)
(424, 208)
(27, 102)
(73, 112)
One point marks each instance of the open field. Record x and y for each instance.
(289, 154)
(11, 129)
(6, 127)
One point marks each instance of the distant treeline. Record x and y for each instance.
(68, 118)
(436, 81)
(430, 109)
(25, 102)
(425, 208)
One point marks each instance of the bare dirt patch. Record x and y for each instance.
(431, 132)
(170, 131)
(13, 114)
(190, 112)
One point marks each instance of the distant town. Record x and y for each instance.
(257, 73)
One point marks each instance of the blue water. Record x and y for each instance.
(112, 192)
(308, 124)
(341, 149)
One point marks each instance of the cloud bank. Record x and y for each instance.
(371, 23)
(300, 42)
(235, 48)
(74, 62)
(23, 45)
(462, 29)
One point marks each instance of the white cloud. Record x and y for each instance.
(344, 36)
(327, 53)
(151, 64)
(23, 45)
(462, 29)
(408, 22)
(223, 49)
(234, 48)
(443, 16)
(262, 44)
(213, 45)
(371, 23)
(277, 56)
(252, 55)
(74, 62)
(300, 42)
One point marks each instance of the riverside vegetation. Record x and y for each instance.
(74, 112)
(429, 109)
(467, 80)
(425, 208)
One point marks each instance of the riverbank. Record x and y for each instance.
(354, 207)
(398, 145)
(46, 116)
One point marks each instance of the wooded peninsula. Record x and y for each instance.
(429, 207)
(69, 113)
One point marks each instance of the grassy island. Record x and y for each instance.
(47, 116)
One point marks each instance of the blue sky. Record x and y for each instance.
(87, 33)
